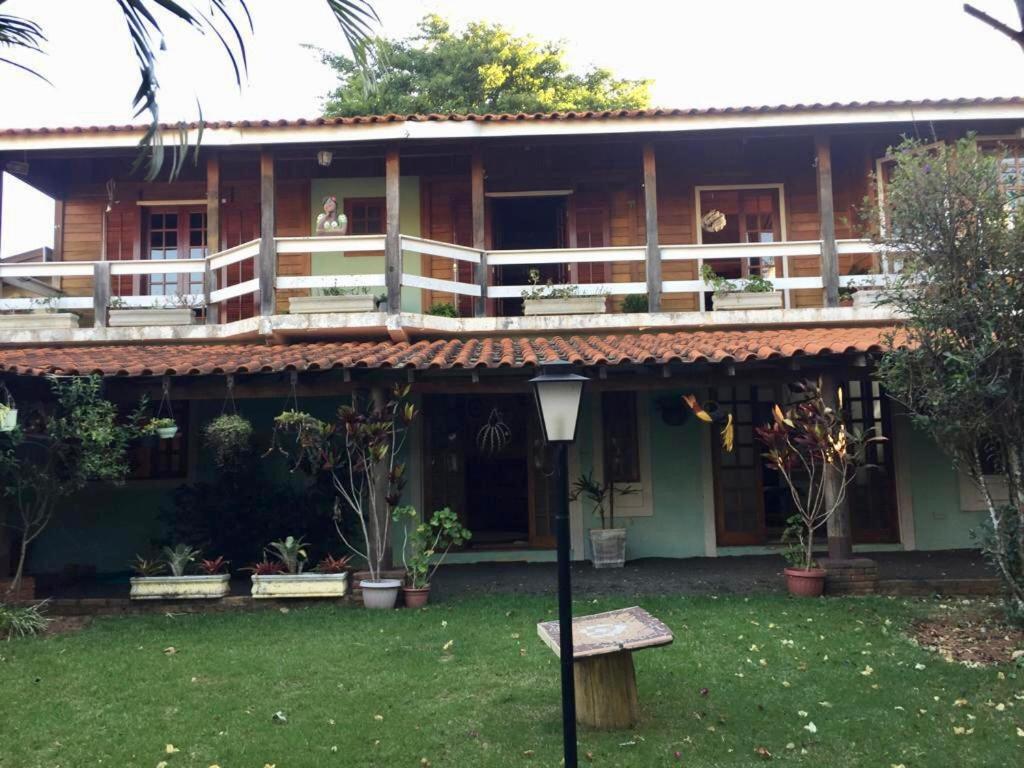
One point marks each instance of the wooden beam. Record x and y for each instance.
(266, 264)
(651, 219)
(478, 201)
(392, 234)
(212, 230)
(826, 210)
(101, 293)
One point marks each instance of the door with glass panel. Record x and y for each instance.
(175, 233)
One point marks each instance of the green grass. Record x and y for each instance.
(378, 689)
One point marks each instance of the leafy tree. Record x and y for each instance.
(482, 68)
(957, 364)
(83, 440)
(223, 20)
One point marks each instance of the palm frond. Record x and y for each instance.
(16, 32)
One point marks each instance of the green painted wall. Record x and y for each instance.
(409, 224)
(676, 528)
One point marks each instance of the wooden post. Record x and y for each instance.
(100, 293)
(266, 265)
(212, 230)
(826, 210)
(392, 234)
(840, 538)
(479, 232)
(606, 695)
(651, 210)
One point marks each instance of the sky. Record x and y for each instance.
(722, 53)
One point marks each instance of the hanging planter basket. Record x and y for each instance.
(8, 418)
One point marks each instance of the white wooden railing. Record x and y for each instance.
(774, 260)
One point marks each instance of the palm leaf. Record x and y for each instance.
(21, 33)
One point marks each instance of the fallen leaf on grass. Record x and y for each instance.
(528, 753)
(867, 671)
(170, 749)
(170, 650)
(280, 718)
(811, 728)
(763, 752)
(378, 718)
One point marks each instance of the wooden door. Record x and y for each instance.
(872, 497)
(177, 232)
(592, 223)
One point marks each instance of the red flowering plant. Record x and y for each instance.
(213, 567)
(330, 564)
(810, 446)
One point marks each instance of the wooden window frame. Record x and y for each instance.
(778, 187)
(350, 202)
(183, 212)
(183, 417)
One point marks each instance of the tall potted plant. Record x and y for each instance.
(809, 446)
(607, 543)
(424, 547)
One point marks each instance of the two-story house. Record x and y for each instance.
(311, 258)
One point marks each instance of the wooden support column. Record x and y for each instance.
(606, 696)
(266, 265)
(100, 293)
(651, 210)
(212, 230)
(479, 233)
(826, 210)
(392, 234)
(840, 537)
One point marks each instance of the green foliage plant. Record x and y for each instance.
(426, 544)
(443, 309)
(599, 494)
(229, 436)
(180, 557)
(290, 553)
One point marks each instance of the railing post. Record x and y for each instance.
(392, 238)
(209, 286)
(266, 265)
(100, 293)
(826, 210)
(651, 219)
(479, 234)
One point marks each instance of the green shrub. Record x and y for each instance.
(22, 620)
(634, 302)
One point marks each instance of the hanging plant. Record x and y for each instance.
(494, 435)
(164, 428)
(229, 436)
(8, 411)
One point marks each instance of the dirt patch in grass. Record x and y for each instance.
(971, 637)
(64, 625)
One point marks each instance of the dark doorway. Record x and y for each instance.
(527, 223)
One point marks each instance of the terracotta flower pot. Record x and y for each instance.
(805, 583)
(416, 597)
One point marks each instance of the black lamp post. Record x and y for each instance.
(559, 394)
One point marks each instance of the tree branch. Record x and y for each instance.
(1016, 35)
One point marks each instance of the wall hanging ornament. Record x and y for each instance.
(494, 435)
(713, 221)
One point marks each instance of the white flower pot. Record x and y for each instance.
(300, 585)
(180, 587)
(166, 433)
(608, 547)
(575, 305)
(39, 321)
(135, 318)
(746, 300)
(380, 594)
(9, 420)
(306, 305)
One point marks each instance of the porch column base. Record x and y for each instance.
(840, 547)
(850, 576)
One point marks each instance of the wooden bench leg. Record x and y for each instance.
(606, 695)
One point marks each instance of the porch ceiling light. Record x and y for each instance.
(325, 157)
(559, 394)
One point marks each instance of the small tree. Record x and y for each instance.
(957, 364)
(360, 452)
(809, 445)
(82, 441)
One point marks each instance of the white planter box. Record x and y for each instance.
(866, 297)
(746, 300)
(39, 321)
(577, 305)
(134, 318)
(300, 585)
(307, 305)
(180, 587)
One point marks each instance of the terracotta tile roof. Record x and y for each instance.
(852, 106)
(640, 349)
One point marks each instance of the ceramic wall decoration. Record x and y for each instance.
(330, 222)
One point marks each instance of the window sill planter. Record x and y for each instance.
(577, 305)
(744, 300)
(300, 585)
(307, 305)
(180, 587)
(805, 583)
(380, 595)
(137, 318)
(39, 321)
(608, 547)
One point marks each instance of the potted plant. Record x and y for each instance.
(424, 547)
(334, 299)
(635, 303)
(151, 581)
(607, 543)
(757, 292)
(44, 315)
(164, 428)
(551, 299)
(229, 436)
(846, 296)
(284, 574)
(443, 309)
(809, 446)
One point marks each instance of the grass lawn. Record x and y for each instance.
(387, 689)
